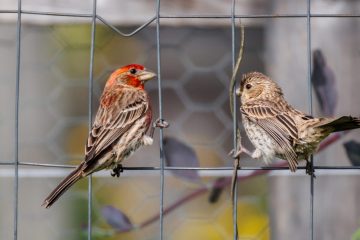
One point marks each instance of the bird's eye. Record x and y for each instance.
(248, 86)
(133, 71)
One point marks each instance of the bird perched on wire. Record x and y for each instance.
(119, 128)
(323, 80)
(276, 129)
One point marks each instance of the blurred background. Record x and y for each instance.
(195, 69)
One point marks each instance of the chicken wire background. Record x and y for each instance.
(182, 89)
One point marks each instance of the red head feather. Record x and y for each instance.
(132, 80)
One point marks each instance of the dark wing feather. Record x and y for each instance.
(115, 118)
(277, 124)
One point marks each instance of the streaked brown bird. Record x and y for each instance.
(276, 129)
(119, 128)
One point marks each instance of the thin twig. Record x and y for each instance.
(236, 68)
(237, 139)
(231, 97)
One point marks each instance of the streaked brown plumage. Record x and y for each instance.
(119, 128)
(276, 129)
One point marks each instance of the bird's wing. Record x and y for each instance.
(277, 124)
(117, 112)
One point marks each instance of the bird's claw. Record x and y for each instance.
(310, 169)
(159, 123)
(235, 153)
(117, 170)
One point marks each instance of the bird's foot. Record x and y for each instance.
(117, 170)
(159, 123)
(310, 169)
(235, 153)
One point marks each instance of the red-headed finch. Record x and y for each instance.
(276, 129)
(119, 128)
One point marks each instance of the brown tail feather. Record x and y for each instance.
(65, 184)
(343, 123)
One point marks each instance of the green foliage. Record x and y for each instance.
(356, 235)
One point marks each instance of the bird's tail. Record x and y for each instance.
(65, 184)
(342, 124)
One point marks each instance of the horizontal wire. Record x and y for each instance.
(58, 14)
(151, 20)
(212, 16)
(262, 16)
(31, 164)
(39, 164)
(60, 173)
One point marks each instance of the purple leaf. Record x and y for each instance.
(324, 82)
(217, 188)
(352, 149)
(116, 219)
(178, 154)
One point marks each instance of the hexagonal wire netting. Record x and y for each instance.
(203, 119)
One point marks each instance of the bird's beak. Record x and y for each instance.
(238, 92)
(146, 75)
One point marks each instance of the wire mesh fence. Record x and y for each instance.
(182, 89)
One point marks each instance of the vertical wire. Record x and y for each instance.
(308, 18)
(91, 75)
(16, 132)
(235, 193)
(162, 180)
